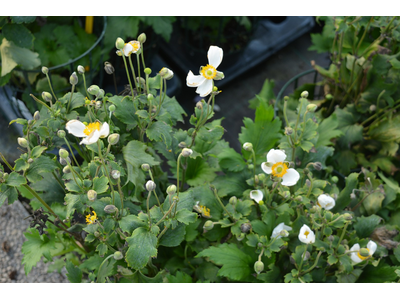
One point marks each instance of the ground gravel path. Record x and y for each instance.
(12, 228)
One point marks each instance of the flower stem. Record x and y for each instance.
(342, 235)
(148, 206)
(177, 174)
(166, 214)
(106, 171)
(220, 202)
(70, 98)
(313, 266)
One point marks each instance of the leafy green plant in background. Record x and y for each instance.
(361, 89)
(120, 193)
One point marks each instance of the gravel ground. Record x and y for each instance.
(12, 227)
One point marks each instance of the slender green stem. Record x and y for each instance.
(148, 206)
(6, 162)
(51, 87)
(311, 185)
(73, 172)
(129, 77)
(162, 232)
(72, 154)
(166, 214)
(302, 258)
(254, 168)
(84, 84)
(177, 174)
(222, 205)
(106, 171)
(70, 98)
(138, 64)
(342, 235)
(137, 85)
(59, 182)
(121, 194)
(285, 111)
(41, 102)
(103, 264)
(313, 266)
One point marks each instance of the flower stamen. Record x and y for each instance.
(91, 127)
(91, 219)
(279, 169)
(209, 72)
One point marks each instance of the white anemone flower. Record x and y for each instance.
(90, 133)
(356, 257)
(204, 81)
(306, 235)
(131, 47)
(326, 202)
(256, 195)
(277, 166)
(278, 229)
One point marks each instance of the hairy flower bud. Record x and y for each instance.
(119, 43)
(73, 79)
(115, 174)
(288, 130)
(166, 73)
(147, 71)
(317, 166)
(111, 107)
(23, 142)
(118, 255)
(245, 227)
(150, 185)
(248, 146)
(233, 200)
(47, 96)
(304, 94)
(92, 195)
(36, 115)
(284, 233)
(335, 179)
(108, 68)
(347, 216)
(113, 138)
(142, 38)
(63, 153)
(186, 152)
(259, 267)
(208, 225)
(61, 133)
(45, 70)
(65, 161)
(110, 209)
(81, 69)
(145, 167)
(171, 189)
(311, 107)
(66, 170)
(93, 90)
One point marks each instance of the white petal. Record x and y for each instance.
(277, 230)
(356, 247)
(205, 88)
(265, 168)
(290, 178)
(215, 55)
(92, 138)
(354, 257)
(275, 156)
(104, 130)
(256, 195)
(310, 238)
(326, 201)
(76, 128)
(194, 80)
(371, 247)
(127, 49)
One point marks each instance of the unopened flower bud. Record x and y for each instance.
(73, 79)
(36, 115)
(118, 255)
(23, 142)
(115, 174)
(96, 233)
(328, 97)
(166, 73)
(63, 153)
(248, 146)
(311, 107)
(47, 96)
(286, 195)
(150, 185)
(111, 108)
(241, 236)
(233, 200)
(110, 209)
(186, 152)
(298, 198)
(261, 177)
(317, 166)
(93, 90)
(92, 195)
(118, 52)
(347, 216)
(65, 161)
(66, 170)
(171, 189)
(113, 138)
(208, 225)
(288, 130)
(306, 256)
(245, 227)
(259, 267)
(147, 71)
(142, 38)
(250, 166)
(353, 196)
(219, 76)
(108, 68)
(45, 70)
(119, 43)
(145, 167)
(335, 179)
(61, 133)
(81, 69)
(372, 107)
(100, 95)
(364, 252)
(199, 105)
(304, 94)
(182, 145)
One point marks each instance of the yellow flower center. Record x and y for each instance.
(209, 72)
(306, 233)
(91, 127)
(363, 257)
(135, 46)
(279, 169)
(91, 219)
(205, 211)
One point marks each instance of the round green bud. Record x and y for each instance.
(66, 170)
(328, 97)
(65, 161)
(63, 153)
(248, 146)
(92, 195)
(298, 198)
(93, 90)
(288, 130)
(47, 96)
(311, 107)
(328, 215)
(73, 79)
(208, 225)
(100, 94)
(261, 177)
(119, 43)
(81, 69)
(215, 89)
(147, 71)
(347, 216)
(182, 145)
(259, 267)
(113, 138)
(150, 185)
(233, 200)
(250, 166)
(22, 142)
(304, 94)
(36, 115)
(118, 255)
(186, 152)
(115, 174)
(61, 133)
(111, 108)
(166, 73)
(364, 252)
(45, 70)
(150, 97)
(286, 195)
(171, 189)
(335, 179)
(96, 234)
(110, 209)
(155, 229)
(88, 102)
(142, 38)
(145, 167)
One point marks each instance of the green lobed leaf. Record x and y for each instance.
(74, 273)
(40, 165)
(173, 237)
(160, 131)
(100, 184)
(142, 246)
(185, 216)
(18, 34)
(230, 160)
(366, 225)
(344, 199)
(7, 193)
(15, 179)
